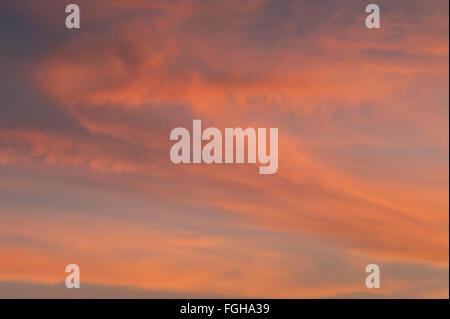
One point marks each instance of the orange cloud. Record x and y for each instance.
(363, 141)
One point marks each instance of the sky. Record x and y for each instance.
(86, 176)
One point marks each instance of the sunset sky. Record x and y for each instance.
(86, 176)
